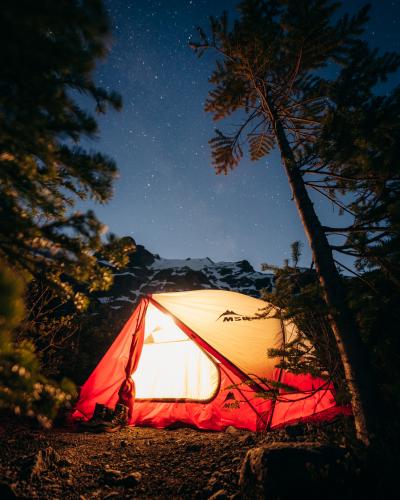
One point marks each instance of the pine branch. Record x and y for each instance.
(357, 229)
(333, 200)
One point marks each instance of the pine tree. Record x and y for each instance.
(297, 297)
(357, 153)
(270, 72)
(48, 54)
(23, 388)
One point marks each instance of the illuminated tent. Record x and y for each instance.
(184, 357)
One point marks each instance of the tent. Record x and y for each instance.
(200, 358)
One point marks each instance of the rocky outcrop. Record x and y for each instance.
(286, 471)
(148, 273)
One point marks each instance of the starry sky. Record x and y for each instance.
(168, 196)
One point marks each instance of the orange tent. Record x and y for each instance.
(200, 358)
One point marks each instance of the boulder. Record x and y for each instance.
(117, 478)
(6, 491)
(44, 460)
(292, 470)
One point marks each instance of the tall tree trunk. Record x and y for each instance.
(354, 357)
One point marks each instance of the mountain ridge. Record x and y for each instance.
(148, 273)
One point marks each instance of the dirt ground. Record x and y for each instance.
(131, 463)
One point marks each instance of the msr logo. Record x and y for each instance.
(229, 316)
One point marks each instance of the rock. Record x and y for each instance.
(226, 470)
(112, 494)
(219, 495)
(66, 474)
(111, 475)
(213, 483)
(291, 471)
(247, 440)
(147, 273)
(46, 459)
(64, 462)
(117, 478)
(131, 479)
(236, 496)
(6, 491)
(232, 430)
(193, 447)
(296, 430)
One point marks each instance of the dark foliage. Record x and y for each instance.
(269, 70)
(374, 300)
(48, 55)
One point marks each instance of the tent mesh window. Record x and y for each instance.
(172, 366)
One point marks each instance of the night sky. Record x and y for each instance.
(167, 196)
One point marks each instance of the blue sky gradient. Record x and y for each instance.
(167, 196)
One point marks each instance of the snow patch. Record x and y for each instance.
(105, 300)
(124, 299)
(194, 264)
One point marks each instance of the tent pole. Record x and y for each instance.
(246, 399)
(205, 345)
(279, 376)
(126, 393)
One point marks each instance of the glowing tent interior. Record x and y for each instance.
(183, 357)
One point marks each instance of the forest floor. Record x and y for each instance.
(131, 463)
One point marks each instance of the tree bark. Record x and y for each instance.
(353, 354)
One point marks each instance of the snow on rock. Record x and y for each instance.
(104, 300)
(194, 264)
(149, 273)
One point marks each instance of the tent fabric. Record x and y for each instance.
(230, 323)
(184, 370)
(187, 357)
(107, 379)
(215, 415)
